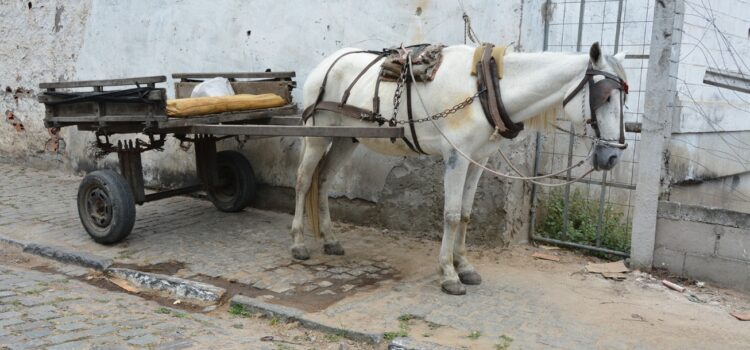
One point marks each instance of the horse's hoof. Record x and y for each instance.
(300, 252)
(453, 288)
(333, 248)
(470, 277)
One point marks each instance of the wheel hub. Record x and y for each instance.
(99, 207)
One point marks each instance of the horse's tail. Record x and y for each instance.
(312, 202)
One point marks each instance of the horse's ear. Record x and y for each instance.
(621, 56)
(595, 53)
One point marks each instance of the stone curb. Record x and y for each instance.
(12, 242)
(406, 343)
(173, 285)
(83, 259)
(293, 314)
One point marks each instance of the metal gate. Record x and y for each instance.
(596, 212)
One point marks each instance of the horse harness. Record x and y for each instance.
(599, 93)
(488, 91)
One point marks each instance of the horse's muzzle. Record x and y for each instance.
(606, 157)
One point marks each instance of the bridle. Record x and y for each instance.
(599, 93)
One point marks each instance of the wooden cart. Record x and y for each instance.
(107, 199)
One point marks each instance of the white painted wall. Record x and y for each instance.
(104, 39)
(709, 160)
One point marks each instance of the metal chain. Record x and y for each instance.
(469, 31)
(446, 112)
(399, 90)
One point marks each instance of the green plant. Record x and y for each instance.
(240, 310)
(474, 335)
(275, 320)
(163, 310)
(505, 342)
(403, 326)
(583, 219)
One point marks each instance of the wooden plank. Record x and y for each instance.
(109, 82)
(310, 131)
(156, 95)
(281, 88)
(248, 75)
(230, 117)
(107, 118)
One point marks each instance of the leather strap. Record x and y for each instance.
(348, 90)
(416, 147)
(310, 110)
(491, 100)
(348, 110)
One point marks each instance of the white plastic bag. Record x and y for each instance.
(212, 88)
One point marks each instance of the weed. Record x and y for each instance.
(180, 315)
(406, 318)
(275, 320)
(474, 335)
(583, 220)
(240, 310)
(163, 310)
(332, 337)
(505, 342)
(35, 291)
(238, 325)
(403, 325)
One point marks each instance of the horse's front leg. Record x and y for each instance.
(466, 272)
(456, 168)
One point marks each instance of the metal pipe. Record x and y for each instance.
(566, 197)
(537, 160)
(599, 223)
(171, 193)
(576, 245)
(619, 26)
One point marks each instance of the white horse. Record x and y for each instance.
(533, 87)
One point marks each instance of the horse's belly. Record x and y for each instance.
(386, 147)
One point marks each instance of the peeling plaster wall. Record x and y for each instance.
(115, 39)
(39, 41)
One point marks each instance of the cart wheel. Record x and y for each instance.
(106, 206)
(235, 187)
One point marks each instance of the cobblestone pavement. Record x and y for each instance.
(44, 310)
(386, 282)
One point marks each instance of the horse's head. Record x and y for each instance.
(599, 101)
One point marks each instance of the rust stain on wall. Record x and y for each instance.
(11, 118)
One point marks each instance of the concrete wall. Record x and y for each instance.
(707, 244)
(73, 40)
(708, 163)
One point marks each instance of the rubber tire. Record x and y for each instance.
(242, 180)
(121, 201)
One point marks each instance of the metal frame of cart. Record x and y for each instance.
(107, 199)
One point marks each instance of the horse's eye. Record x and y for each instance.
(609, 98)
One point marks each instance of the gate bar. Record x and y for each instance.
(576, 245)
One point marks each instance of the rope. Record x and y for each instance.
(493, 171)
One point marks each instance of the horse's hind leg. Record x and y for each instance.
(341, 150)
(456, 169)
(466, 272)
(314, 149)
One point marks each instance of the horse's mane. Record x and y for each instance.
(543, 121)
